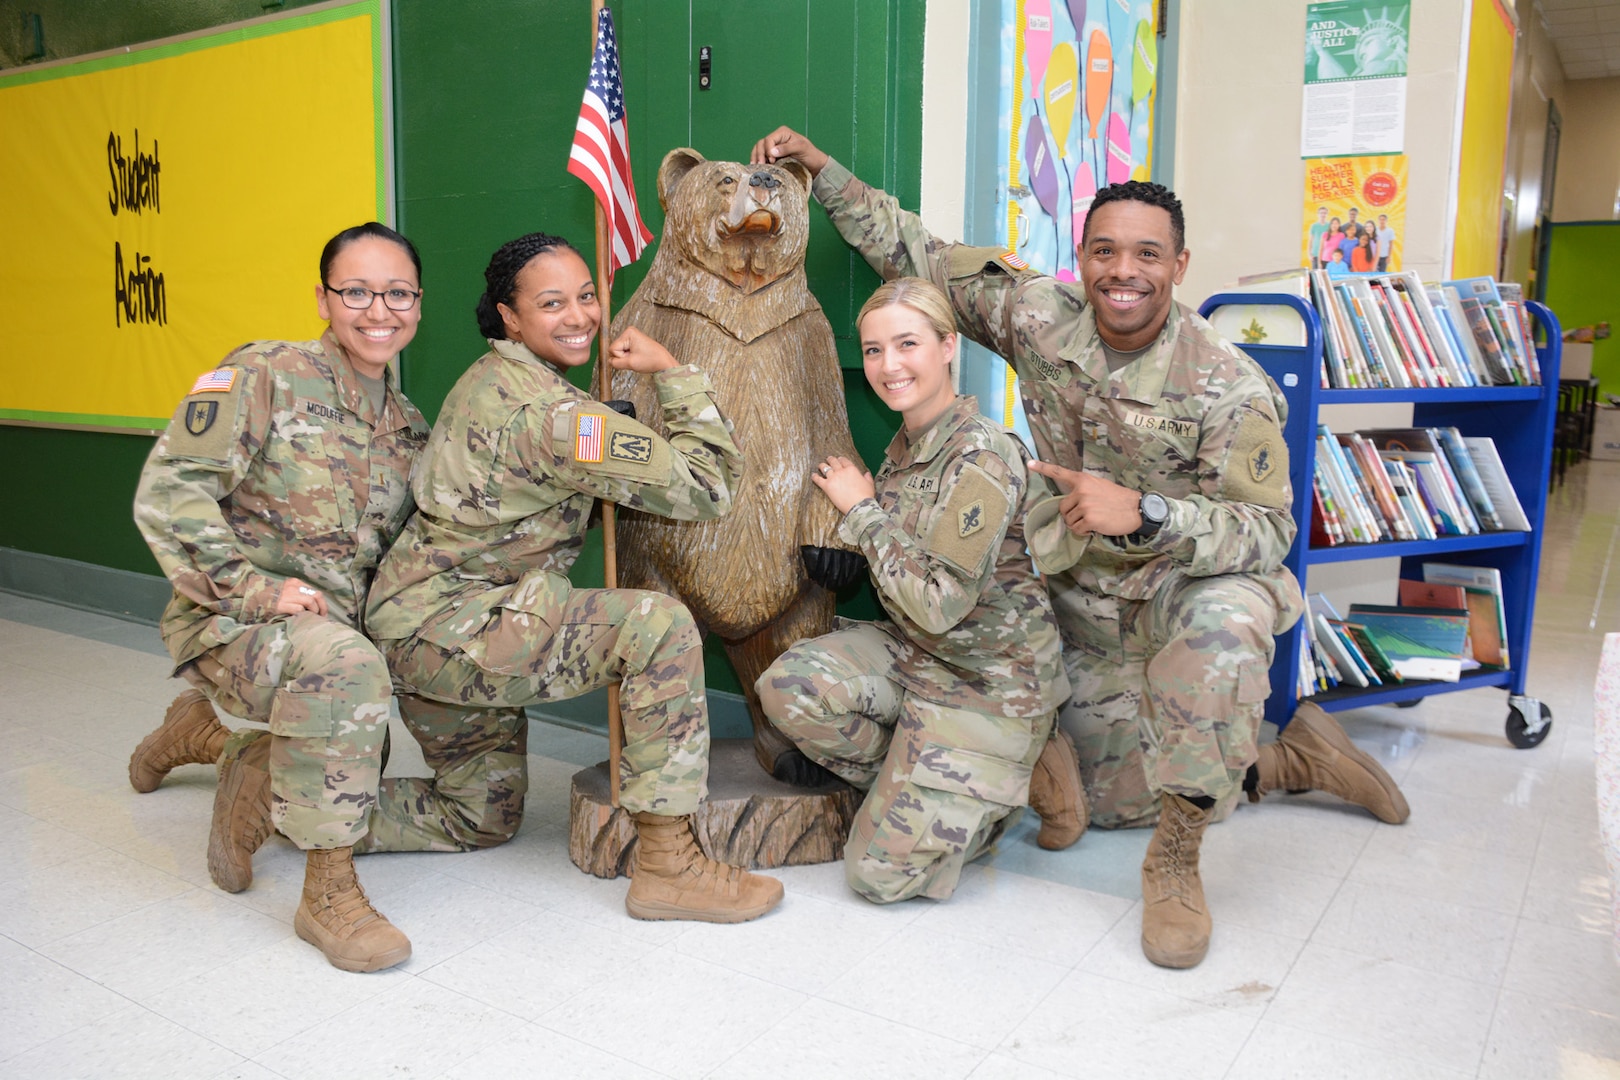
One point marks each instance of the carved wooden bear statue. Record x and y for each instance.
(727, 292)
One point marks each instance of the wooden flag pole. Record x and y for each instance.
(604, 391)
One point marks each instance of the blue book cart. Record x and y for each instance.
(1519, 418)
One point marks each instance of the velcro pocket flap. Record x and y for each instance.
(302, 714)
(965, 772)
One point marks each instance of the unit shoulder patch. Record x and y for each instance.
(1257, 470)
(610, 444)
(967, 524)
(204, 425)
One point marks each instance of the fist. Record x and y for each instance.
(635, 351)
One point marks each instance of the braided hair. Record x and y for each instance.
(500, 277)
(375, 230)
(1142, 192)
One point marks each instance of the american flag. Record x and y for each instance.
(601, 153)
(219, 380)
(588, 438)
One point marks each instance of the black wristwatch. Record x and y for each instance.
(1155, 512)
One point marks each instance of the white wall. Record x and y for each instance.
(1238, 169)
(944, 116)
(1589, 151)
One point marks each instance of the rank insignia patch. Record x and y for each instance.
(970, 519)
(627, 446)
(588, 438)
(200, 415)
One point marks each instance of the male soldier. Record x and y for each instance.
(1164, 555)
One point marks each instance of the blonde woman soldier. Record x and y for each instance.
(940, 712)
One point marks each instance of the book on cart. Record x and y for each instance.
(1408, 484)
(1421, 643)
(1392, 330)
(1487, 616)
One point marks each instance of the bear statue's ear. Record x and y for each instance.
(677, 163)
(792, 167)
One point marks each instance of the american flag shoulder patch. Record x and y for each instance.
(218, 381)
(1012, 260)
(588, 438)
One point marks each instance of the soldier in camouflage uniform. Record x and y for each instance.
(268, 502)
(473, 605)
(939, 713)
(1163, 556)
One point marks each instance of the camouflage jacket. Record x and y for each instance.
(945, 539)
(506, 484)
(1193, 418)
(274, 467)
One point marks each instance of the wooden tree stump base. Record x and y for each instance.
(750, 819)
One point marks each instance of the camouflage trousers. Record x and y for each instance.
(940, 782)
(1168, 692)
(324, 690)
(645, 640)
(480, 763)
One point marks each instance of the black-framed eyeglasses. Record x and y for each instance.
(357, 298)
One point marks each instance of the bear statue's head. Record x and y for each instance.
(746, 224)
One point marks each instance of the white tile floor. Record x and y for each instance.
(1471, 942)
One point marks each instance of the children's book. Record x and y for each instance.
(1405, 632)
(1487, 618)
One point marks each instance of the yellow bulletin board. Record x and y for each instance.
(168, 203)
(1482, 157)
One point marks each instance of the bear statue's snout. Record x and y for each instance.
(755, 210)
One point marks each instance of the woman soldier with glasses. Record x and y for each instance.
(281, 480)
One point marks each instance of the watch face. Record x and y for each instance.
(1154, 508)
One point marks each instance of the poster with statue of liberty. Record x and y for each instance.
(1076, 115)
(1355, 77)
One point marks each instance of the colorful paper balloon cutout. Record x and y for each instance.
(1099, 78)
(1060, 85)
(1085, 189)
(1077, 15)
(1119, 150)
(1144, 62)
(1043, 180)
(1037, 39)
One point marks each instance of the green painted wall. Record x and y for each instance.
(1582, 279)
(486, 93)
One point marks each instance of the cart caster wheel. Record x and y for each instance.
(1518, 729)
(1412, 704)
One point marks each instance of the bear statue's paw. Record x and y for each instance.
(832, 568)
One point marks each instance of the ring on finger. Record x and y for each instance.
(306, 590)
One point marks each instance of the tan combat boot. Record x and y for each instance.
(1056, 794)
(1313, 752)
(1175, 919)
(336, 917)
(190, 735)
(675, 880)
(241, 809)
